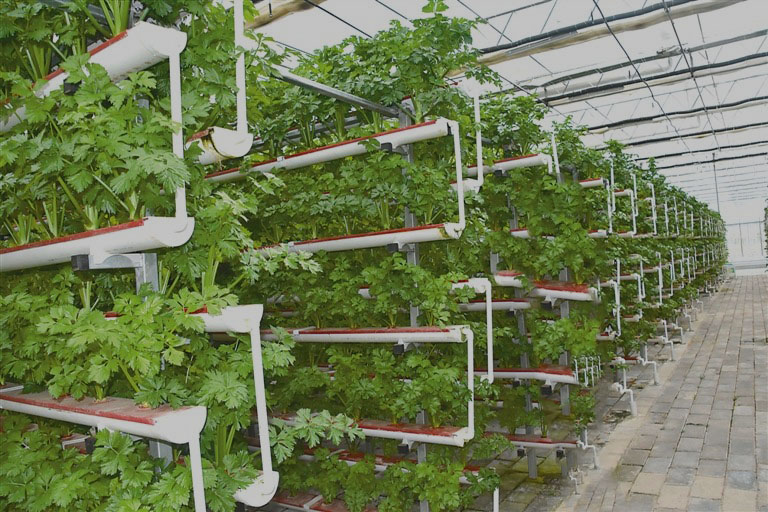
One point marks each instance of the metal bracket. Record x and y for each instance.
(145, 265)
(401, 247)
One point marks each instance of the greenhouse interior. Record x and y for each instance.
(384, 255)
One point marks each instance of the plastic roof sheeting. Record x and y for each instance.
(718, 30)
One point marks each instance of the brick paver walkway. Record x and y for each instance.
(700, 440)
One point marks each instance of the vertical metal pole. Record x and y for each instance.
(565, 312)
(412, 257)
(717, 190)
(530, 453)
(147, 273)
(741, 240)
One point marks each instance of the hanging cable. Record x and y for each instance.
(708, 150)
(637, 71)
(690, 69)
(695, 134)
(722, 159)
(393, 10)
(638, 120)
(313, 4)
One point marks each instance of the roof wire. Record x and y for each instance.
(406, 18)
(650, 90)
(502, 34)
(690, 69)
(313, 4)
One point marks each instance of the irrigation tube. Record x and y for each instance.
(246, 319)
(427, 233)
(653, 206)
(179, 426)
(218, 143)
(483, 285)
(133, 49)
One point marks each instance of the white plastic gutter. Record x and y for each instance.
(247, 319)
(482, 285)
(135, 236)
(549, 374)
(496, 305)
(653, 207)
(394, 138)
(622, 388)
(515, 162)
(549, 290)
(629, 193)
(533, 441)
(401, 236)
(606, 336)
(382, 463)
(135, 49)
(221, 143)
(405, 433)
(178, 426)
(395, 335)
(593, 183)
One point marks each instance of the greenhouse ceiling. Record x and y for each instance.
(684, 81)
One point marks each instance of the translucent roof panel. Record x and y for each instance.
(642, 71)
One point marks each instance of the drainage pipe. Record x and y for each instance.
(180, 426)
(246, 319)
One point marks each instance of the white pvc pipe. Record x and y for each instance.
(400, 237)
(482, 285)
(496, 305)
(548, 291)
(548, 375)
(452, 334)
(196, 468)
(178, 136)
(242, 119)
(138, 48)
(592, 183)
(555, 155)
(653, 207)
(136, 236)
(397, 137)
(479, 143)
(246, 319)
(177, 426)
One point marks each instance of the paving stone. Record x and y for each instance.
(741, 447)
(659, 465)
(643, 442)
(685, 459)
(648, 483)
(680, 476)
(714, 452)
(720, 414)
(635, 457)
(674, 497)
(690, 444)
(637, 502)
(627, 473)
(704, 505)
(742, 462)
(708, 467)
(746, 480)
(737, 500)
(695, 431)
(707, 487)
